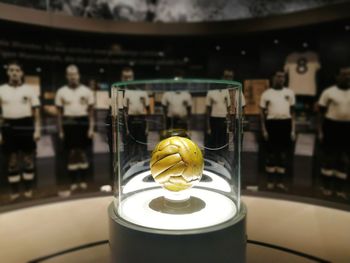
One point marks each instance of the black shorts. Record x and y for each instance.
(137, 128)
(336, 135)
(279, 132)
(176, 123)
(18, 135)
(76, 133)
(218, 136)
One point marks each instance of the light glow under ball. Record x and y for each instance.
(177, 163)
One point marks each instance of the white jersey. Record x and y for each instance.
(17, 102)
(219, 101)
(337, 102)
(75, 101)
(136, 102)
(277, 103)
(177, 103)
(302, 68)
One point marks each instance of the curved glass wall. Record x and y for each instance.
(177, 152)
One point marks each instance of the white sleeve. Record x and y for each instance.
(164, 99)
(263, 100)
(292, 98)
(119, 100)
(146, 99)
(208, 99)
(34, 99)
(125, 99)
(324, 99)
(189, 99)
(243, 100)
(58, 99)
(228, 98)
(243, 103)
(0, 94)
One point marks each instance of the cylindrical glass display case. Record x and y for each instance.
(177, 155)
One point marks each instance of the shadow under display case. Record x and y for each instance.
(177, 147)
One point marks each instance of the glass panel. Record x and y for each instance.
(177, 149)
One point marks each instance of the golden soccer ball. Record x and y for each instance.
(177, 163)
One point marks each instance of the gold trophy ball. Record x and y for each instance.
(177, 163)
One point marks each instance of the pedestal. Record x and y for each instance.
(223, 243)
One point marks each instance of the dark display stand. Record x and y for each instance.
(224, 243)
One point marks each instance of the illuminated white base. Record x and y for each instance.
(218, 209)
(137, 183)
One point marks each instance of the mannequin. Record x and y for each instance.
(21, 128)
(334, 130)
(136, 108)
(75, 103)
(177, 107)
(278, 128)
(218, 104)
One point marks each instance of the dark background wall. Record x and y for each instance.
(46, 52)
